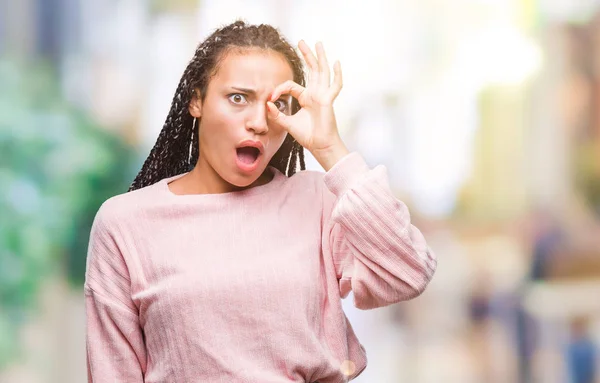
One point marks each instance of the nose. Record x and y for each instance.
(257, 121)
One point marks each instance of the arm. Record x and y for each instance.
(378, 254)
(114, 340)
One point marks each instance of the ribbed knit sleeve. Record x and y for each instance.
(378, 254)
(114, 339)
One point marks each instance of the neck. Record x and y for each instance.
(204, 179)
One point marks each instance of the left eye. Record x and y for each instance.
(281, 105)
(237, 98)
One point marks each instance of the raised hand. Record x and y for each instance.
(314, 125)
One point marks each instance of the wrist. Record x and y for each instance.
(331, 155)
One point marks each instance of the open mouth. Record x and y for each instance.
(247, 154)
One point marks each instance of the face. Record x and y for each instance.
(234, 110)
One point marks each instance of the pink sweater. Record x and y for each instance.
(246, 286)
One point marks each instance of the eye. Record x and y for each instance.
(237, 98)
(281, 105)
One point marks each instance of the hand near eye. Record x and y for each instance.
(314, 126)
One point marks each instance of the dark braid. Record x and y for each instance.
(170, 155)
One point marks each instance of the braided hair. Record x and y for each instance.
(176, 150)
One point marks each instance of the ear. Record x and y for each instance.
(195, 107)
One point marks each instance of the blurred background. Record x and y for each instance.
(485, 112)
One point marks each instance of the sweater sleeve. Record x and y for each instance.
(114, 340)
(377, 253)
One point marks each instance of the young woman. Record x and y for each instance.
(223, 263)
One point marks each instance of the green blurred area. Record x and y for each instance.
(56, 168)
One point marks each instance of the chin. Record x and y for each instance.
(240, 179)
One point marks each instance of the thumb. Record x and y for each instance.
(276, 116)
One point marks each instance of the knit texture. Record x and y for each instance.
(246, 286)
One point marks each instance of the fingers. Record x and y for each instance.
(288, 87)
(309, 57)
(319, 73)
(323, 64)
(336, 86)
(275, 115)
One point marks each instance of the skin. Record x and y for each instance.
(249, 97)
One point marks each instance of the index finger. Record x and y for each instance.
(288, 87)
(309, 57)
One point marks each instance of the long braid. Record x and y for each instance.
(301, 155)
(168, 148)
(171, 155)
(193, 145)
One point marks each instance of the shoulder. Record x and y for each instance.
(344, 174)
(307, 180)
(308, 176)
(125, 207)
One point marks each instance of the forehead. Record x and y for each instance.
(258, 69)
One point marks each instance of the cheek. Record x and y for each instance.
(219, 126)
(277, 140)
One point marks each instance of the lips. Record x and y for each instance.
(249, 150)
(251, 144)
(247, 155)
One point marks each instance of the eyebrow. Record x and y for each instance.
(244, 90)
(252, 91)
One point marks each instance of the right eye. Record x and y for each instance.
(237, 98)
